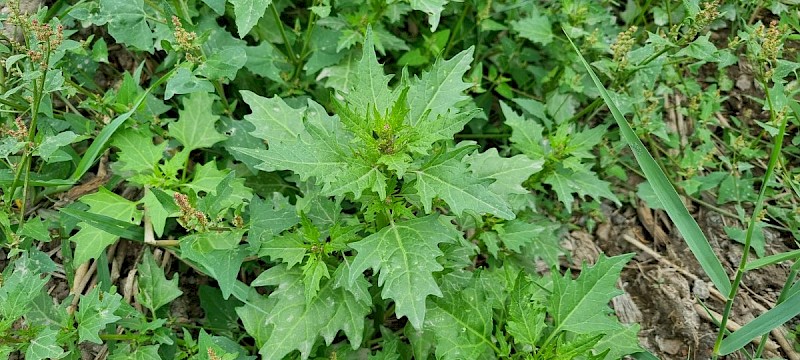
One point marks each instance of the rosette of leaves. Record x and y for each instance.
(388, 150)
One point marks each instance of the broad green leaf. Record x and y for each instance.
(526, 317)
(317, 152)
(518, 233)
(253, 315)
(35, 228)
(185, 82)
(195, 125)
(155, 290)
(262, 60)
(322, 151)
(666, 193)
(270, 217)
(95, 311)
(581, 305)
(296, 325)
(222, 347)
(461, 322)
(126, 23)
(526, 134)
(359, 176)
(219, 254)
(208, 177)
(223, 63)
(536, 27)
(340, 77)
(137, 153)
(217, 5)
(18, 291)
(247, 13)
(156, 212)
(219, 313)
(448, 178)
(439, 89)
(508, 173)
(107, 203)
(273, 119)
(583, 182)
(90, 241)
(433, 8)
(45, 346)
(404, 255)
(289, 248)
(51, 144)
(142, 352)
(620, 343)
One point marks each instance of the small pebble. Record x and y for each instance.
(700, 289)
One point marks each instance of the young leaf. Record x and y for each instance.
(247, 14)
(582, 182)
(296, 325)
(581, 305)
(517, 233)
(137, 153)
(90, 241)
(535, 27)
(433, 8)
(404, 255)
(447, 177)
(370, 88)
(270, 217)
(45, 346)
(219, 254)
(525, 316)
(18, 291)
(195, 125)
(126, 22)
(526, 134)
(462, 325)
(439, 89)
(273, 118)
(508, 173)
(155, 290)
(95, 311)
(289, 248)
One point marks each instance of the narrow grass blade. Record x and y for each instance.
(108, 224)
(99, 143)
(7, 178)
(669, 198)
(763, 324)
(772, 259)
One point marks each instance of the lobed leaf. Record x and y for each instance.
(403, 255)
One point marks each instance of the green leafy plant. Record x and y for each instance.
(384, 179)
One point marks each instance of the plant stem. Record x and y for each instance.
(754, 218)
(289, 51)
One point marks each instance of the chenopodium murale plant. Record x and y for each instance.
(389, 151)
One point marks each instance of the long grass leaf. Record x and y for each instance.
(772, 259)
(108, 224)
(665, 193)
(99, 143)
(763, 324)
